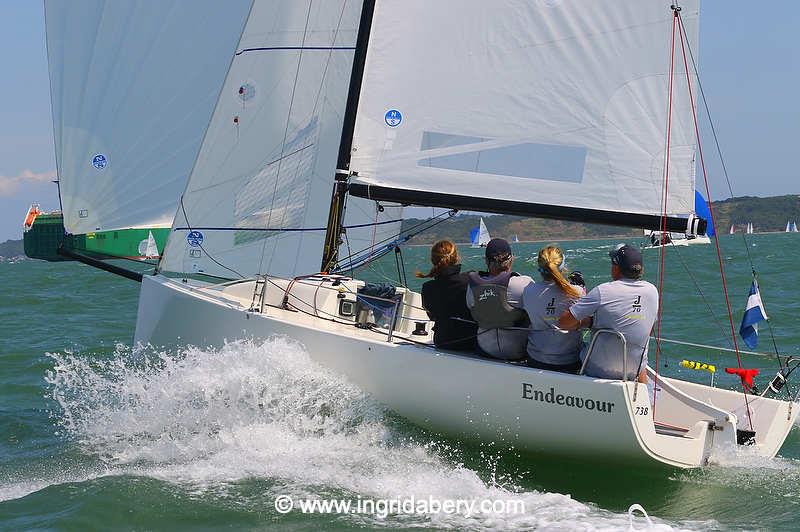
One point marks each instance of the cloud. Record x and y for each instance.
(9, 185)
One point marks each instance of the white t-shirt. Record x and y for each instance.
(628, 306)
(545, 302)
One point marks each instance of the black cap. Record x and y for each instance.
(626, 257)
(497, 248)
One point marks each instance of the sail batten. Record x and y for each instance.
(560, 104)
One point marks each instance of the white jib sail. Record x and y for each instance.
(148, 247)
(132, 87)
(550, 102)
(258, 197)
(483, 234)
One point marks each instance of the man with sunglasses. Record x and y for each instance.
(628, 305)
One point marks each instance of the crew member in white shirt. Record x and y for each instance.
(628, 305)
(550, 347)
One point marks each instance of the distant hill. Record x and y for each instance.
(458, 228)
(766, 214)
(11, 248)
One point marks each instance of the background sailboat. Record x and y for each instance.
(794, 227)
(132, 89)
(479, 236)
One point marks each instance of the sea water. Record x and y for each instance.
(97, 434)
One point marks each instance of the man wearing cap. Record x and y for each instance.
(628, 305)
(494, 298)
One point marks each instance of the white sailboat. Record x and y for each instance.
(480, 236)
(148, 248)
(794, 227)
(656, 239)
(788, 227)
(515, 239)
(732, 230)
(698, 239)
(390, 78)
(749, 228)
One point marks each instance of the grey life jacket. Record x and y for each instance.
(490, 306)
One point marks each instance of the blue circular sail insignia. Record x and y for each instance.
(393, 118)
(194, 238)
(99, 161)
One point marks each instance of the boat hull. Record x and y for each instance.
(468, 397)
(46, 235)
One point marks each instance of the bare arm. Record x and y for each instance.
(568, 322)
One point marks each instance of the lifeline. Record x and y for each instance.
(564, 400)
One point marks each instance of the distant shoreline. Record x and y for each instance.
(547, 240)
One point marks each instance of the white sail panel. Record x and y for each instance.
(257, 199)
(132, 86)
(560, 102)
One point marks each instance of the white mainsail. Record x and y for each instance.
(788, 227)
(518, 103)
(132, 88)
(749, 228)
(794, 227)
(733, 229)
(257, 199)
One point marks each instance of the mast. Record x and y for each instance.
(334, 229)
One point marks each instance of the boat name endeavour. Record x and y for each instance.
(564, 400)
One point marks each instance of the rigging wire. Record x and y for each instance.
(388, 242)
(702, 295)
(711, 212)
(725, 173)
(665, 190)
(200, 244)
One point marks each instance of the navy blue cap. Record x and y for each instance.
(496, 248)
(626, 257)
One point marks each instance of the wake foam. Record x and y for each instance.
(265, 412)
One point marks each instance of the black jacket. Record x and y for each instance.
(445, 297)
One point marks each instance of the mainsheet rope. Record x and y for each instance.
(728, 182)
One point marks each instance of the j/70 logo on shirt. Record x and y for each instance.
(637, 304)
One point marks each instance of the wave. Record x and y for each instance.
(208, 419)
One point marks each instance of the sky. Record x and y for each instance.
(749, 68)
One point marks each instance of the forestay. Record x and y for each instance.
(543, 103)
(258, 197)
(132, 86)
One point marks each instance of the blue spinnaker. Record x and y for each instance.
(702, 210)
(473, 235)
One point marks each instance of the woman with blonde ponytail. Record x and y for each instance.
(444, 298)
(548, 346)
